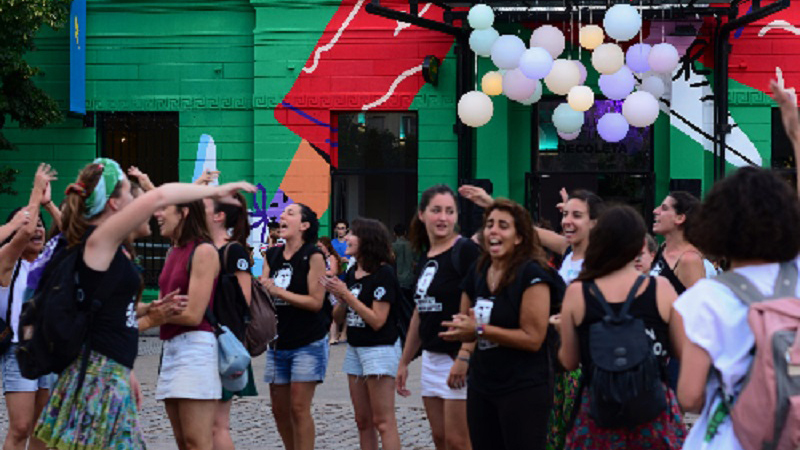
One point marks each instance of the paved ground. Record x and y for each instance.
(252, 425)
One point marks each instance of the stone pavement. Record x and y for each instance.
(252, 425)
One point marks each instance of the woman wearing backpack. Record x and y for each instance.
(20, 247)
(616, 240)
(102, 414)
(505, 307)
(749, 218)
(229, 228)
(298, 359)
(366, 298)
(447, 258)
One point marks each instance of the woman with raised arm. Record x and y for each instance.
(446, 260)
(99, 215)
(367, 297)
(21, 246)
(677, 260)
(505, 308)
(298, 359)
(229, 228)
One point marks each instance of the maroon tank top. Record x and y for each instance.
(173, 276)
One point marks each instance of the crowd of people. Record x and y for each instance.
(606, 350)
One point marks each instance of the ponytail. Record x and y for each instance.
(74, 222)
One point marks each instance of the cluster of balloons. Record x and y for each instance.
(523, 68)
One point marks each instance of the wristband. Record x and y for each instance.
(463, 358)
(479, 330)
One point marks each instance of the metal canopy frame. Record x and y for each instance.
(562, 10)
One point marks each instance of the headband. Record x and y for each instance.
(112, 174)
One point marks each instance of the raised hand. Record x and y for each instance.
(229, 189)
(44, 175)
(141, 177)
(207, 177)
(476, 195)
(787, 100)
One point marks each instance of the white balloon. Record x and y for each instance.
(654, 85)
(580, 98)
(663, 58)
(536, 63)
(475, 108)
(562, 77)
(640, 109)
(568, 136)
(517, 86)
(507, 50)
(608, 58)
(618, 85)
(536, 95)
(622, 22)
(480, 17)
(549, 38)
(582, 70)
(636, 57)
(566, 119)
(481, 41)
(591, 36)
(612, 127)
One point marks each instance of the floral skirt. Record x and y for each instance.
(666, 432)
(101, 416)
(565, 395)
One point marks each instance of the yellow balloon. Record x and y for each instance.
(591, 36)
(492, 83)
(580, 98)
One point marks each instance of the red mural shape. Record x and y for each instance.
(361, 62)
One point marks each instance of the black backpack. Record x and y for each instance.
(55, 322)
(626, 387)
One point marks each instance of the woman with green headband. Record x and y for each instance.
(100, 213)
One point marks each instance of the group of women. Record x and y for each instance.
(503, 334)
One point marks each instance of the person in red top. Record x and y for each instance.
(189, 381)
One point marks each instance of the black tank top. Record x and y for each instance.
(662, 268)
(644, 307)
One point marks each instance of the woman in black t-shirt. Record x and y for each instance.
(437, 295)
(506, 306)
(373, 345)
(297, 361)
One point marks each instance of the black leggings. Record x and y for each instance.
(513, 421)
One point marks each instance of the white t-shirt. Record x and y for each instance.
(716, 320)
(570, 269)
(19, 291)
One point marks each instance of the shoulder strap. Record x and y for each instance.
(11, 291)
(742, 288)
(632, 295)
(595, 291)
(224, 268)
(786, 283)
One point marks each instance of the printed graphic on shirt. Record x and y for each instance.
(353, 319)
(282, 280)
(658, 348)
(131, 313)
(242, 264)
(424, 302)
(483, 313)
(380, 291)
(657, 268)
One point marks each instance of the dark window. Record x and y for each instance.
(148, 141)
(782, 152)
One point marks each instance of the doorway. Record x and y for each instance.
(377, 172)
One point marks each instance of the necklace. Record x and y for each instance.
(493, 278)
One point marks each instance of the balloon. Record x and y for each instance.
(640, 109)
(562, 77)
(507, 50)
(536, 95)
(475, 109)
(536, 63)
(580, 98)
(663, 58)
(517, 86)
(582, 70)
(608, 58)
(636, 57)
(481, 41)
(566, 119)
(568, 136)
(591, 36)
(549, 38)
(618, 85)
(492, 83)
(622, 22)
(654, 85)
(480, 17)
(612, 127)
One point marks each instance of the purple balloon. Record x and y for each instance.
(569, 136)
(636, 58)
(517, 86)
(618, 85)
(582, 70)
(612, 127)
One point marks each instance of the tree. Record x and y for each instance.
(20, 99)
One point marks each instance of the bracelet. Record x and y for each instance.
(462, 358)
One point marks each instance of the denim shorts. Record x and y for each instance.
(368, 361)
(13, 381)
(299, 365)
(190, 368)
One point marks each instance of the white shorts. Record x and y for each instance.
(435, 370)
(190, 368)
